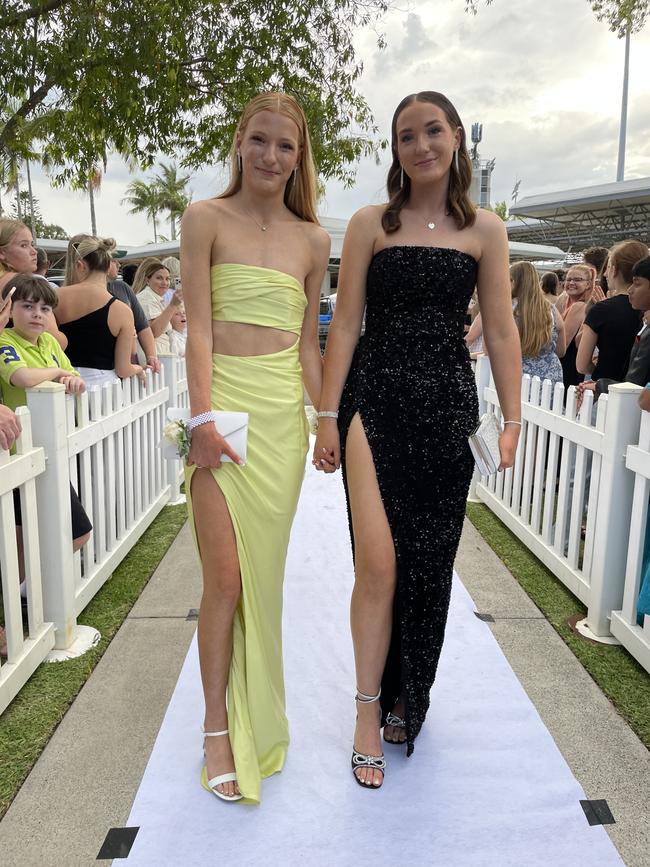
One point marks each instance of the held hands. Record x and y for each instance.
(207, 448)
(327, 451)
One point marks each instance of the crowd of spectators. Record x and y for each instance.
(98, 327)
(589, 320)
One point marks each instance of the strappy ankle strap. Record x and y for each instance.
(214, 734)
(366, 699)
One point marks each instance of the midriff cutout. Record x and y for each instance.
(239, 338)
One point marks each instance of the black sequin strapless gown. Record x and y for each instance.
(412, 384)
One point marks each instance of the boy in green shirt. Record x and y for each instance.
(30, 355)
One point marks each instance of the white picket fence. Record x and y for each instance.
(577, 496)
(104, 443)
(635, 637)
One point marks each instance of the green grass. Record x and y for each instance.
(620, 677)
(31, 719)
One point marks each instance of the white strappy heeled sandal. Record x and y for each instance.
(362, 760)
(230, 777)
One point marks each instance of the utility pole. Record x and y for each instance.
(620, 169)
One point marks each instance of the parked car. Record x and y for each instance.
(324, 319)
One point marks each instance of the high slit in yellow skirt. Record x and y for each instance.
(262, 498)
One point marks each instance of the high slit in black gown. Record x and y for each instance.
(412, 385)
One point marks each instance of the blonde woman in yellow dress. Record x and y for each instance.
(252, 264)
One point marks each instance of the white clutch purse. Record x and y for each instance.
(484, 443)
(233, 427)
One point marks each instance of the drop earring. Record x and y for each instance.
(457, 167)
(401, 176)
(295, 174)
(239, 162)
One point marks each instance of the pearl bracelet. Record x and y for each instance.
(202, 418)
(326, 413)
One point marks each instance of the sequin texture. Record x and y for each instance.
(412, 385)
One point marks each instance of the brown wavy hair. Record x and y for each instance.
(300, 193)
(459, 204)
(146, 269)
(625, 255)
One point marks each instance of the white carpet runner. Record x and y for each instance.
(485, 786)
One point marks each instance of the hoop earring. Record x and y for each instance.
(401, 177)
(239, 162)
(456, 166)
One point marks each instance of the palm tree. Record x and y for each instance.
(95, 178)
(172, 193)
(144, 199)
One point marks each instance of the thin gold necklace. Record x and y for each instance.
(257, 223)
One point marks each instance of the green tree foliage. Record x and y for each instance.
(172, 193)
(146, 76)
(620, 15)
(40, 229)
(501, 209)
(166, 192)
(143, 198)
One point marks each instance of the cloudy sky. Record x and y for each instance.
(545, 81)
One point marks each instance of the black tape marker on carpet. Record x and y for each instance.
(598, 812)
(117, 844)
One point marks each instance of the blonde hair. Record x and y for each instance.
(146, 269)
(8, 229)
(300, 194)
(173, 265)
(534, 315)
(459, 204)
(95, 252)
(590, 271)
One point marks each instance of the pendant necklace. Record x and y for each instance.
(257, 223)
(432, 225)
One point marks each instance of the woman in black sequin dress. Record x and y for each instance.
(406, 403)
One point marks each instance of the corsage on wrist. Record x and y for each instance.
(177, 434)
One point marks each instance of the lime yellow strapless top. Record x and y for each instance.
(257, 296)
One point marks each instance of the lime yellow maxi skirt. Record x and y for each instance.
(262, 498)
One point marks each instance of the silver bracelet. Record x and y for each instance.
(202, 418)
(512, 422)
(326, 413)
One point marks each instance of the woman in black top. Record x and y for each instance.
(99, 328)
(612, 324)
